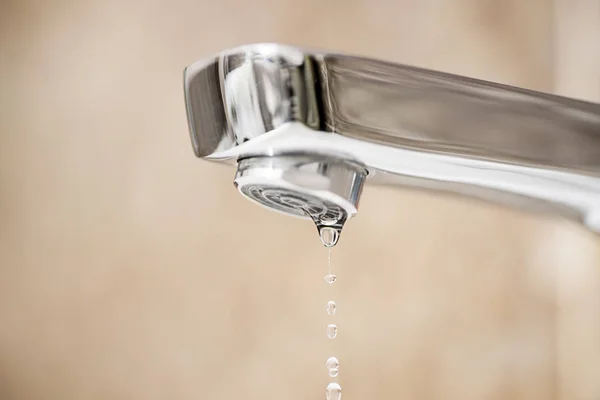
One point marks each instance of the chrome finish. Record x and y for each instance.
(407, 126)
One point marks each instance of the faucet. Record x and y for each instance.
(307, 129)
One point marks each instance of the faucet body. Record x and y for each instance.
(320, 124)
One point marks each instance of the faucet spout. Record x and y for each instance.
(403, 125)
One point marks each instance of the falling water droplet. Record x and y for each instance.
(333, 372)
(332, 363)
(331, 331)
(331, 307)
(329, 235)
(330, 278)
(333, 391)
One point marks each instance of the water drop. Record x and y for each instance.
(332, 363)
(329, 235)
(329, 225)
(330, 278)
(333, 372)
(333, 391)
(331, 331)
(331, 307)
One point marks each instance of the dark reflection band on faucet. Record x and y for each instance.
(410, 107)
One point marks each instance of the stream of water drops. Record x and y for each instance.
(333, 390)
(330, 229)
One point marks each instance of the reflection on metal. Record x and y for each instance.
(403, 125)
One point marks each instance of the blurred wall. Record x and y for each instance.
(131, 270)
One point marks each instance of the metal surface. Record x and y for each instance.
(323, 189)
(405, 125)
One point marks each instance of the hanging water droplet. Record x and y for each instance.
(333, 372)
(331, 331)
(329, 225)
(331, 307)
(332, 363)
(330, 278)
(329, 236)
(333, 391)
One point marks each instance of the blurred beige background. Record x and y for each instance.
(131, 270)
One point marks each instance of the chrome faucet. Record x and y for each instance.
(306, 129)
